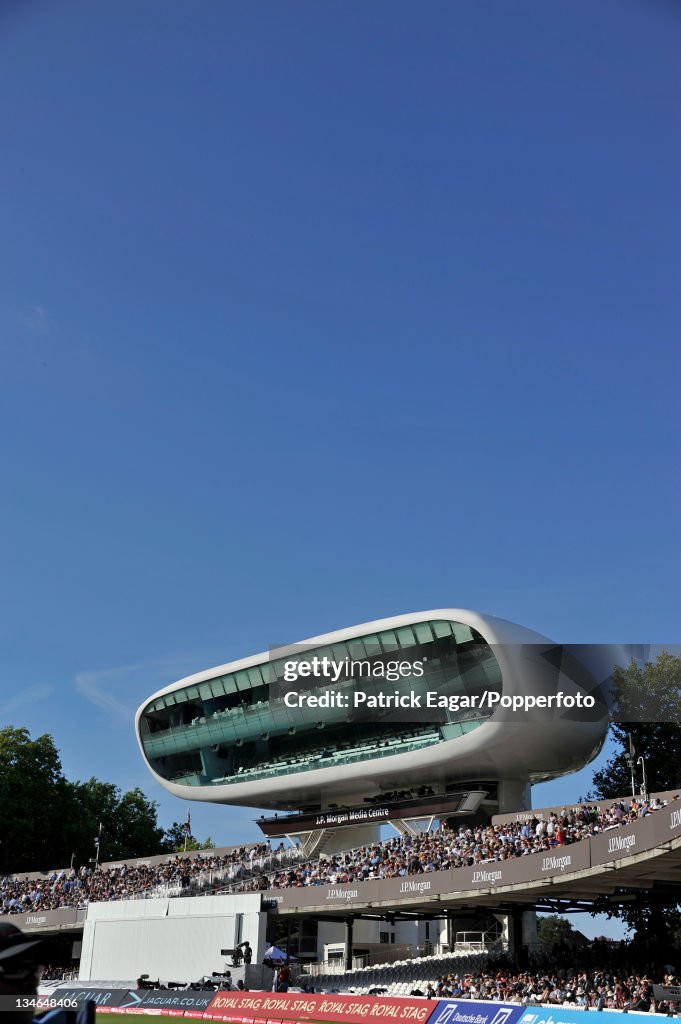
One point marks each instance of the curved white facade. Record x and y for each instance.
(499, 746)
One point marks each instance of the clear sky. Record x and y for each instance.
(312, 313)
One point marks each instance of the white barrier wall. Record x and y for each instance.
(172, 939)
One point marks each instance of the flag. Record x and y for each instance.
(189, 824)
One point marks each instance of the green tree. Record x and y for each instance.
(32, 792)
(647, 721)
(174, 837)
(554, 930)
(48, 820)
(129, 822)
(647, 714)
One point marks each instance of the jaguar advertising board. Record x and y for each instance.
(81, 994)
(142, 1000)
(164, 999)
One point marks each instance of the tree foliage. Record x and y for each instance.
(33, 794)
(47, 819)
(647, 712)
(174, 838)
(129, 822)
(648, 721)
(554, 930)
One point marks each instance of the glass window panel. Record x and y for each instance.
(279, 665)
(356, 649)
(268, 671)
(338, 652)
(242, 681)
(462, 633)
(442, 628)
(423, 633)
(255, 676)
(205, 691)
(218, 687)
(388, 640)
(372, 644)
(191, 693)
(405, 636)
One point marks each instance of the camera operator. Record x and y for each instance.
(247, 951)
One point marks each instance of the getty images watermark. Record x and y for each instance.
(326, 668)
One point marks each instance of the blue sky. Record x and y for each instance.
(315, 313)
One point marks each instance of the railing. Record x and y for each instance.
(586, 850)
(383, 957)
(338, 757)
(207, 881)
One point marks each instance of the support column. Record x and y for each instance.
(515, 936)
(349, 922)
(451, 935)
(530, 930)
(514, 795)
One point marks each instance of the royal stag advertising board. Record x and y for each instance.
(263, 1006)
(302, 1007)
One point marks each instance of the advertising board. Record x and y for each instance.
(302, 1007)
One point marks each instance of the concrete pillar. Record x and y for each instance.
(514, 795)
(515, 936)
(530, 929)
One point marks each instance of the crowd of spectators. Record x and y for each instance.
(55, 973)
(601, 975)
(258, 867)
(598, 988)
(454, 848)
(184, 875)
